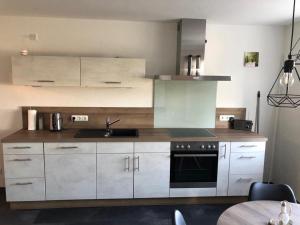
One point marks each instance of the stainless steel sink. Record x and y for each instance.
(99, 133)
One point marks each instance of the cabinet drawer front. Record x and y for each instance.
(109, 147)
(28, 189)
(248, 146)
(247, 163)
(149, 147)
(24, 166)
(70, 148)
(22, 148)
(239, 184)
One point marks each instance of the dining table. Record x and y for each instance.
(256, 213)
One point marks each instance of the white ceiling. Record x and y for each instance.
(216, 11)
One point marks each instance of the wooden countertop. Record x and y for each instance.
(145, 135)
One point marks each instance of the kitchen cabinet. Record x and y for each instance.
(114, 170)
(125, 174)
(24, 171)
(152, 170)
(246, 166)
(25, 189)
(115, 176)
(223, 168)
(46, 71)
(1, 170)
(113, 72)
(70, 170)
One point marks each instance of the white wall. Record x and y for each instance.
(151, 40)
(287, 152)
(225, 49)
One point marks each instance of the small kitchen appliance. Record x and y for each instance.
(56, 121)
(241, 124)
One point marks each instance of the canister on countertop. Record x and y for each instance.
(32, 119)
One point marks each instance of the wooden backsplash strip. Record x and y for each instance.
(239, 113)
(129, 117)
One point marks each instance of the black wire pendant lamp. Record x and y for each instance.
(281, 95)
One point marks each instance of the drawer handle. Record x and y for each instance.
(25, 183)
(21, 147)
(45, 81)
(21, 160)
(112, 82)
(67, 147)
(245, 180)
(247, 157)
(248, 146)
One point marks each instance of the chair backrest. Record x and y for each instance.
(275, 192)
(178, 218)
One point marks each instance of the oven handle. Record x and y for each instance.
(195, 155)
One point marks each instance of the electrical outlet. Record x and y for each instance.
(80, 118)
(225, 117)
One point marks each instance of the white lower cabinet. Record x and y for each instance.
(223, 168)
(246, 166)
(70, 176)
(151, 175)
(125, 174)
(239, 185)
(114, 176)
(24, 172)
(25, 189)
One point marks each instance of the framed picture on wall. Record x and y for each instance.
(251, 59)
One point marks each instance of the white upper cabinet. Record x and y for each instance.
(46, 71)
(112, 72)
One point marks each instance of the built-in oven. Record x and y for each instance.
(194, 164)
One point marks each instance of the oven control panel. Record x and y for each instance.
(195, 146)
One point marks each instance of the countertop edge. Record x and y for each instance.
(146, 135)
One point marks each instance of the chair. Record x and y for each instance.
(275, 192)
(178, 218)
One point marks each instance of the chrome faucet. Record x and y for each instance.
(108, 126)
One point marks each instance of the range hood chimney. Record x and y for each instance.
(191, 40)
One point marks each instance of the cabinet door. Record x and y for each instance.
(223, 168)
(151, 175)
(112, 72)
(70, 176)
(114, 176)
(46, 71)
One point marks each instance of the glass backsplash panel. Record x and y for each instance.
(185, 104)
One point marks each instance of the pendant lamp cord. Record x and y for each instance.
(292, 36)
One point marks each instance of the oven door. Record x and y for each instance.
(194, 169)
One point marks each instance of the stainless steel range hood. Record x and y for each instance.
(191, 39)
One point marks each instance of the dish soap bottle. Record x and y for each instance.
(284, 216)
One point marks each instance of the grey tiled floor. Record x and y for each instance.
(133, 215)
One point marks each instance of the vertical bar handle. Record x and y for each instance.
(127, 166)
(138, 163)
(225, 151)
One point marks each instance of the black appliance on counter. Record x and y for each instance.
(240, 124)
(194, 164)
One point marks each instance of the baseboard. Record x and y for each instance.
(126, 202)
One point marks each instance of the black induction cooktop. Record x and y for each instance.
(190, 132)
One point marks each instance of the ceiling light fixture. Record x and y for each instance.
(281, 95)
